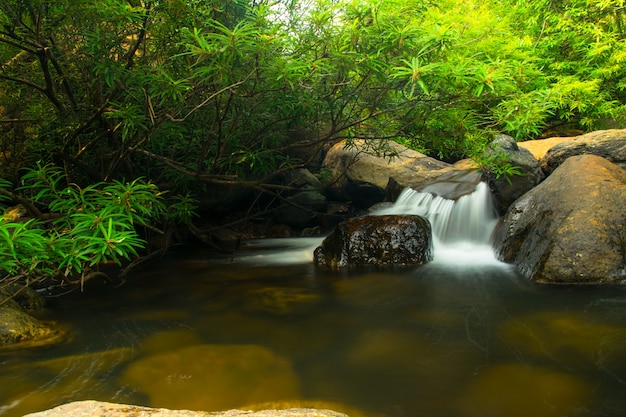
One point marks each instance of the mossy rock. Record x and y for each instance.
(17, 326)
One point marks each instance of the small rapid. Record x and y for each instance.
(462, 228)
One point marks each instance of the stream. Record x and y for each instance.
(463, 336)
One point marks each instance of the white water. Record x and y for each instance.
(462, 231)
(461, 228)
(279, 251)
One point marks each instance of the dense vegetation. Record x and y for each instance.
(116, 115)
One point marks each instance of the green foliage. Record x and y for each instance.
(90, 225)
(182, 208)
(207, 89)
(196, 93)
(498, 163)
(24, 248)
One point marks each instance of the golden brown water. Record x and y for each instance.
(268, 328)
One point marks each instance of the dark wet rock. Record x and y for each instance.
(301, 210)
(572, 227)
(377, 241)
(17, 326)
(104, 409)
(303, 202)
(279, 231)
(361, 174)
(609, 144)
(300, 178)
(507, 189)
(213, 377)
(26, 297)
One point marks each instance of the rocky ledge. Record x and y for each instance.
(103, 409)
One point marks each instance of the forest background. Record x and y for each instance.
(117, 116)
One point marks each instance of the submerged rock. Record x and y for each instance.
(213, 377)
(104, 409)
(568, 338)
(377, 241)
(281, 301)
(571, 228)
(516, 390)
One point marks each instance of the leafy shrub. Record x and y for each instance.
(84, 227)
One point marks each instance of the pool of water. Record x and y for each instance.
(206, 332)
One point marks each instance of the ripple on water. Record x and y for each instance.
(62, 379)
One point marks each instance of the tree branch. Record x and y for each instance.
(211, 97)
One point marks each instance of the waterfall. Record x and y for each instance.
(462, 228)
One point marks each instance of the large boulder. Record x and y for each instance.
(572, 227)
(104, 409)
(360, 173)
(539, 147)
(377, 241)
(609, 144)
(507, 189)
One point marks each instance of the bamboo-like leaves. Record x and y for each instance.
(415, 71)
(95, 224)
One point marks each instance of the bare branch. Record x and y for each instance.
(207, 100)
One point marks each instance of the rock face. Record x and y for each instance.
(453, 184)
(539, 147)
(359, 174)
(572, 227)
(377, 241)
(506, 190)
(609, 144)
(103, 409)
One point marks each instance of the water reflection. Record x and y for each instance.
(436, 340)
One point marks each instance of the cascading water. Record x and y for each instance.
(462, 228)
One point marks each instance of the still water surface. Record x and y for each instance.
(203, 332)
